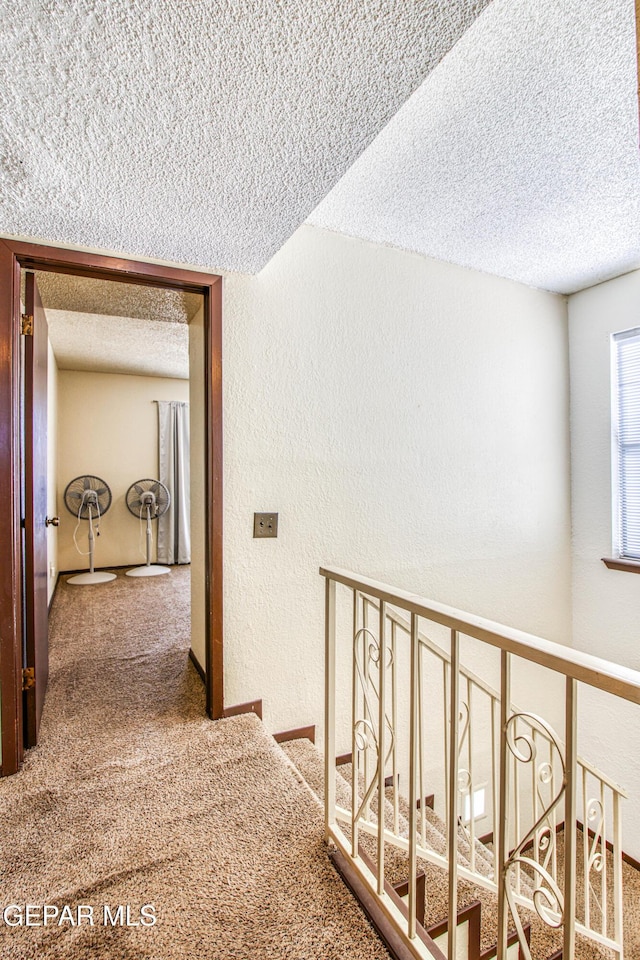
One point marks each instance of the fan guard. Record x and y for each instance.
(148, 493)
(85, 492)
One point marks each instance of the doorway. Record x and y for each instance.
(17, 256)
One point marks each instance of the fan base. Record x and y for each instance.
(85, 579)
(152, 571)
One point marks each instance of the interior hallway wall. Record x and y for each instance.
(52, 473)
(108, 426)
(407, 419)
(606, 603)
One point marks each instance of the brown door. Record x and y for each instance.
(36, 645)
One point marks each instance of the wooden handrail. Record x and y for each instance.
(595, 671)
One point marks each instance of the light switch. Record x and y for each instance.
(265, 524)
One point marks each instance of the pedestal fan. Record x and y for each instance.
(88, 498)
(148, 499)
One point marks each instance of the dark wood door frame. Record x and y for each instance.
(35, 469)
(14, 256)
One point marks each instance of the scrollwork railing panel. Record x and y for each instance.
(366, 735)
(524, 746)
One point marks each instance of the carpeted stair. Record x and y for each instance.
(545, 942)
(134, 797)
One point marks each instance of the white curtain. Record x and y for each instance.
(174, 532)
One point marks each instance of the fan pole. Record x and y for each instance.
(148, 535)
(91, 541)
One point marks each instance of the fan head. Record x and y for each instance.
(87, 493)
(150, 494)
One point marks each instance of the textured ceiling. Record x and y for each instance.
(61, 291)
(113, 327)
(109, 344)
(518, 155)
(202, 131)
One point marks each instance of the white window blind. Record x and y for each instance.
(627, 440)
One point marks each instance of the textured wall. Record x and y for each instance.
(409, 420)
(108, 426)
(606, 603)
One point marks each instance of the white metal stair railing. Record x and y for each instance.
(470, 713)
(537, 737)
(474, 939)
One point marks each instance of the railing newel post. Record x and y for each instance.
(421, 745)
(394, 724)
(534, 795)
(585, 848)
(447, 737)
(618, 903)
(354, 719)
(366, 713)
(516, 812)
(554, 814)
(472, 825)
(495, 782)
(603, 848)
(502, 840)
(454, 703)
(382, 729)
(571, 740)
(415, 697)
(330, 707)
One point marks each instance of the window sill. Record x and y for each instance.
(620, 563)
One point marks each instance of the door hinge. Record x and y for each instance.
(28, 678)
(27, 324)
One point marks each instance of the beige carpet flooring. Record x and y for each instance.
(133, 797)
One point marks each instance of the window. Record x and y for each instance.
(479, 804)
(626, 443)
